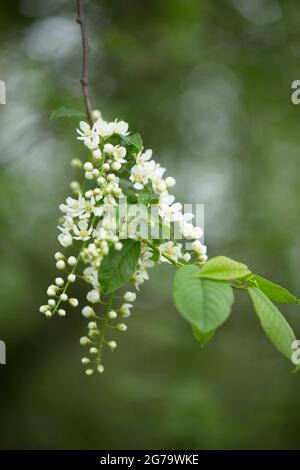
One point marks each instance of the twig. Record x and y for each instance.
(85, 71)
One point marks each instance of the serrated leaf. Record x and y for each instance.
(64, 112)
(273, 322)
(204, 303)
(273, 291)
(202, 337)
(118, 266)
(223, 269)
(135, 140)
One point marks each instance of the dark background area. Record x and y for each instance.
(208, 85)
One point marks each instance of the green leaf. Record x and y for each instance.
(135, 140)
(131, 195)
(64, 112)
(273, 322)
(206, 304)
(117, 267)
(223, 269)
(202, 337)
(273, 291)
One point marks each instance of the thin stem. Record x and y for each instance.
(103, 329)
(85, 69)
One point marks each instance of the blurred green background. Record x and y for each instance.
(208, 84)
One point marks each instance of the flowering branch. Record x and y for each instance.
(85, 70)
(113, 250)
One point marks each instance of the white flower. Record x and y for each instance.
(200, 250)
(144, 157)
(168, 210)
(129, 296)
(189, 231)
(120, 127)
(73, 207)
(103, 128)
(119, 154)
(125, 310)
(89, 135)
(91, 275)
(65, 239)
(89, 207)
(158, 184)
(82, 230)
(171, 250)
(141, 174)
(93, 296)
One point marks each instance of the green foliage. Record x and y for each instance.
(204, 297)
(273, 291)
(273, 323)
(64, 112)
(223, 268)
(202, 337)
(119, 266)
(134, 140)
(204, 303)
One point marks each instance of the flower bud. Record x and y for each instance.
(170, 182)
(71, 278)
(93, 350)
(121, 327)
(61, 312)
(106, 166)
(58, 256)
(108, 148)
(129, 296)
(48, 313)
(88, 194)
(59, 281)
(51, 291)
(112, 315)
(72, 261)
(63, 297)
(87, 312)
(93, 296)
(60, 264)
(100, 369)
(101, 180)
(89, 175)
(96, 114)
(84, 341)
(112, 345)
(85, 360)
(116, 166)
(76, 163)
(88, 166)
(97, 154)
(89, 371)
(73, 302)
(51, 302)
(65, 239)
(118, 246)
(92, 325)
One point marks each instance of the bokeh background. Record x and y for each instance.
(208, 84)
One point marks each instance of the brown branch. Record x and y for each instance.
(85, 71)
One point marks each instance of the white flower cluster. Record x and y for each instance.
(89, 228)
